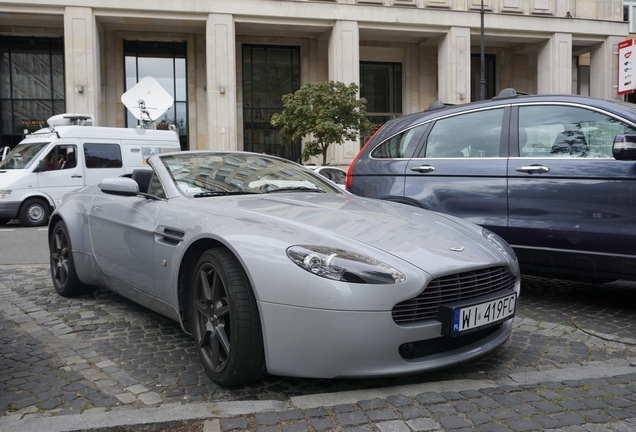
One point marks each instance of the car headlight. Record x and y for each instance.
(341, 265)
(4, 193)
(500, 244)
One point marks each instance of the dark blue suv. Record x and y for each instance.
(553, 175)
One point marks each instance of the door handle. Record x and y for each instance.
(423, 169)
(76, 176)
(540, 169)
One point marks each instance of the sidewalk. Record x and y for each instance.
(103, 364)
(589, 398)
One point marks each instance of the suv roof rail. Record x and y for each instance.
(507, 93)
(437, 105)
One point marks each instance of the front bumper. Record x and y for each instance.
(9, 209)
(318, 343)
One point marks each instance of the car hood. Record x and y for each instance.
(439, 240)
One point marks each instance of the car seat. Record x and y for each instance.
(70, 162)
(143, 177)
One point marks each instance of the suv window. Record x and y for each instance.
(476, 134)
(565, 131)
(103, 156)
(399, 146)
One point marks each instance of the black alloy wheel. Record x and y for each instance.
(63, 272)
(225, 320)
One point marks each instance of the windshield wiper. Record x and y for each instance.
(296, 189)
(222, 193)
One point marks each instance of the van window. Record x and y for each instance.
(103, 156)
(61, 157)
(22, 156)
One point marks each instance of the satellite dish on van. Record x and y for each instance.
(147, 101)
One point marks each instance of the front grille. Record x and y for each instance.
(446, 289)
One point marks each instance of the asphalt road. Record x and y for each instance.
(23, 245)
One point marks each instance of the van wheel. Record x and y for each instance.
(34, 212)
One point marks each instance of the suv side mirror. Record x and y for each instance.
(624, 147)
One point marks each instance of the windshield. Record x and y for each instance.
(205, 174)
(22, 156)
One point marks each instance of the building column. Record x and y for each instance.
(453, 66)
(344, 66)
(221, 83)
(554, 65)
(81, 54)
(604, 69)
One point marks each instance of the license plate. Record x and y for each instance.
(468, 318)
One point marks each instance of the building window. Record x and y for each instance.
(381, 86)
(629, 14)
(269, 72)
(490, 75)
(31, 85)
(165, 62)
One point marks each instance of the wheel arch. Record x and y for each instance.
(43, 197)
(40, 197)
(55, 218)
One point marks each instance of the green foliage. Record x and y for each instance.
(325, 113)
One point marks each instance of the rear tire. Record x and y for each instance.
(63, 272)
(34, 212)
(225, 320)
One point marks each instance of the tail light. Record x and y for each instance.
(350, 170)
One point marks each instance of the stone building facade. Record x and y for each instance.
(228, 62)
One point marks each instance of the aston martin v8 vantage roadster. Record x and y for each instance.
(273, 269)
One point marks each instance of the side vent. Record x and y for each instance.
(169, 236)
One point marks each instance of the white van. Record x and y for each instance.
(67, 155)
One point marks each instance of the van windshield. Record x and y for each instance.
(22, 156)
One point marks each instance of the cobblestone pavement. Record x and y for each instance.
(568, 365)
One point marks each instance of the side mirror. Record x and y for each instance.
(119, 186)
(624, 147)
(41, 166)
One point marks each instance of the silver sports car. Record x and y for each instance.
(273, 269)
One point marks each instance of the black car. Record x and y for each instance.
(555, 176)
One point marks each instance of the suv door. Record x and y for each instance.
(381, 175)
(571, 203)
(461, 169)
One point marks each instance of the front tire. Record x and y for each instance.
(63, 272)
(34, 212)
(225, 320)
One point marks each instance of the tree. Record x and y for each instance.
(325, 113)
